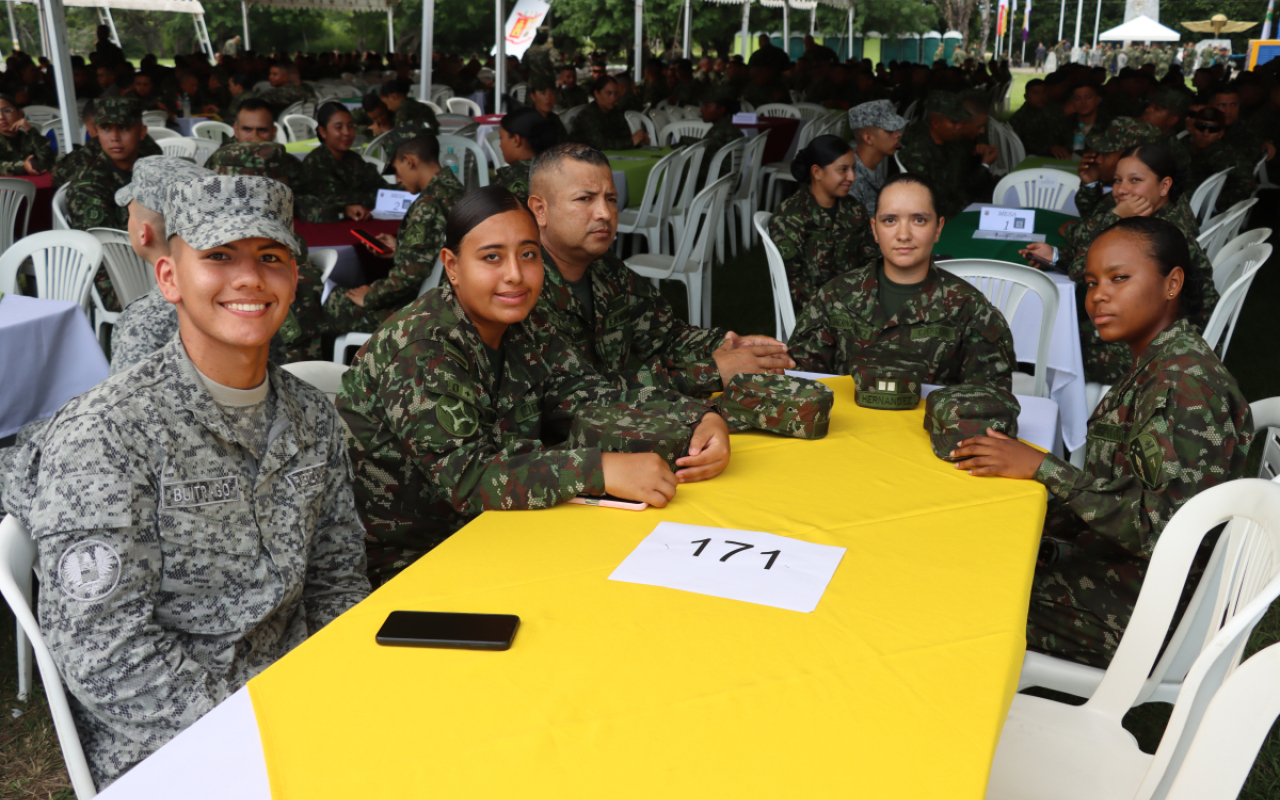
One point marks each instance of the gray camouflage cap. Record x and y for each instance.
(626, 430)
(150, 177)
(214, 210)
(796, 407)
(877, 113)
(888, 385)
(955, 413)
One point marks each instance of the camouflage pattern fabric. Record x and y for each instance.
(816, 247)
(955, 413)
(961, 179)
(515, 177)
(67, 168)
(14, 151)
(541, 59)
(1216, 157)
(436, 437)
(602, 131)
(692, 93)
(281, 97)
(229, 112)
(177, 562)
(268, 159)
(951, 328)
(634, 338)
(325, 186)
(887, 384)
(416, 114)
(1040, 129)
(151, 175)
(212, 211)
(796, 407)
(562, 133)
(575, 96)
(616, 429)
(1120, 134)
(418, 243)
(91, 203)
(1173, 426)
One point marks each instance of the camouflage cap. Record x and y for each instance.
(627, 430)
(1172, 98)
(266, 159)
(1121, 134)
(150, 177)
(212, 211)
(948, 104)
(796, 407)
(397, 137)
(878, 114)
(887, 385)
(117, 111)
(955, 413)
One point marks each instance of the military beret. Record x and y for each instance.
(796, 407)
(117, 111)
(266, 159)
(948, 104)
(396, 137)
(888, 385)
(1121, 134)
(150, 177)
(219, 209)
(955, 413)
(1173, 99)
(878, 114)
(628, 430)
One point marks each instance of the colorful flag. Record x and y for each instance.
(1266, 26)
(1002, 17)
(1026, 20)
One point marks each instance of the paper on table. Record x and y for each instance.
(1009, 236)
(392, 204)
(995, 218)
(751, 566)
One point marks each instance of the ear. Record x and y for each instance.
(166, 278)
(450, 261)
(539, 206)
(1165, 186)
(1174, 282)
(143, 129)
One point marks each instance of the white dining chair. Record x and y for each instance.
(204, 148)
(778, 110)
(178, 147)
(1266, 427)
(62, 262)
(158, 135)
(299, 127)
(1047, 189)
(784, 312)
(463, 105)
(131, 276)
(16, 198)
(673, 131)
(463, 145)
(1205, 197)
(1255, 236)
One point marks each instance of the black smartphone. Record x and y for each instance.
(366, 237)
(445, 629)
(1040, 261)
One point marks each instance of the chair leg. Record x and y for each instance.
(26, 657)
(693, 290)
(705, 288)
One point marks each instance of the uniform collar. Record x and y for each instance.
(462, 332)
(914, 310)
(1175, 334)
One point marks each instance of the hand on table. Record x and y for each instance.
(988, 152)
(357, 294)
(29, 164)
(640, 138)
(643, 477)
(1039, 250)
(750, 354)
(357, 213)
(997, 454)
(1059, 151)
(708, 451)
(1135, 206)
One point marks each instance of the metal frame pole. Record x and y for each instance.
(786, 27)
(1079, 17)
(1097, 20)
(13, 28)
(1062, 16)
(500, 56)
(428, 34)
(639, 40)
(746, 32)
(687, 43)
(53, 13)
(391, 31)
(244, 15)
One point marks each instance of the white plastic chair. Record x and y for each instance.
(778, 110)
(784, 312)
(808, 110)
(61, 213)
(661, 119)
(462, 145)
(746, 107)
(685, 171)
(324, 375)
(731, 152)
(494, 140)
(648, 218)
(570, 115)
(457, 124)
(179, 147)
(1205, 197)
(296, 108)
(1260, 172)
(16, 196)
(324, 259)
(435, 109)
(1255, 236)
(1228, 270)
(298, 127)
(39, 115)
(213, 131)
(131, 276)
(1215, 233)
(1049, 189)
(203, 149)
(375, 148)
(520, 91)
(672, 131)
(778, 172)
(380, 164)
(1050, 750)
(17, 560)
(1012, 151)
(692, 259)
(1005, 285)
(1266, 427)
(63, 263)
(160, 134)
(59, 134)
(1222, 324)
(746, 201)
(637, 122)
(463, 105)
(155, 120)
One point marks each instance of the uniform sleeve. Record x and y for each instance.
(788, 234)
(988, 355)
(684, 351)
(419, 245)
(812, 345)
(92, 204)
(1088, 198)
(36, 144)
(336, 569)
(1240, 184)
(1186, 444)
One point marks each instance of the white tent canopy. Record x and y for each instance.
(1141, 29)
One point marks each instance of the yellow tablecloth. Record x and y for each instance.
(895, 687)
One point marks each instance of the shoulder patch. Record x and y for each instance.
(458, 419)
(1147, 459)
(455, 354)
(89, 571)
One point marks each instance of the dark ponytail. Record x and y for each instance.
(1165, 244)
(820, 152)
(475, 207)
(534, 128)
(1159, 159)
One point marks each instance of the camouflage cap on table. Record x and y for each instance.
(877, 114)
(796, 407)
(213, 211)
(948, 104)
(955, 413)
(117, 111)
(150, 177)
(1172, 98)
(266, 159)
(887, 384)
(1121, 134)
(624, 430)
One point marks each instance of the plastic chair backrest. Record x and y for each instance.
(158, 135)
(687, 168)
(155, 120)
(324, 375)
(213, 131)
(204, 149)
(808, 110)
(1222, 324)
(63, 262)
(59, 134)
(1005, 285)
(435, 109)
(778, 110)
(299, 127)
(746, 107)
(1221, 229)
(520, 91)
(569, 116)
(672, 131)
(39, 115)
(465, 106)
(374, 148)
(1255, 236)
(13, 193)
(784, 312)
(461, 146)
(294, 108)
(131, 276)
(61, 212)
(661, 119)
(374, 160)
(494, 140)
(178, 146)
(456, 124)
(1228, 270)
(1038, 188)
(752, 161)
(17, 559)
(1266, 426)
(731, 151)
(639, 122)
(695, 239)
(656, 188)
(1206, 194)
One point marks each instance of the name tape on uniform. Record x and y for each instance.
(751, 566)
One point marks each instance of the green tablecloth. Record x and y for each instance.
(957, 238)
(636, 166)
(1039, 162)
(303, 146)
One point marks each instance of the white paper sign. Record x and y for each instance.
(392, 204)
(746, 118)
(1009, 236)
(1015, 220)
(737, 565)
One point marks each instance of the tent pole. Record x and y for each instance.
(1062, 15)
(1097, 19)
(56, 17)
(687, 44)
(500, 56)
(786, 27)
(428, 32)
(813, 20)
(639, 40)
(111, 23)
(849, 45)
(13, 28)
(244, 15)
(746, 33)
(45, 33)
(391, 32)
(1079, 14)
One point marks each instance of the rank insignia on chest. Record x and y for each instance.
(463, 392)
(526, 411)
(455, 354)
(1107, 433)
(617, 317)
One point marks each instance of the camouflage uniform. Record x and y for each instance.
(1175, 425)
(951, 329)
(689, 94)
(228, 113)
(576, 96)
(952, 167)
(15, 149)
(634, 337)
(1040, 129)
(417, 114)
(541, 59)
(515, 177)
(1216, 157)
(281, 97)
(269, 159)
(562, 133)
(326, 186)
(816, 247)
(418, 243)
(602, 131)
(436, 437)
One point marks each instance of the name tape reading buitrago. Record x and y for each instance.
(750, 566)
